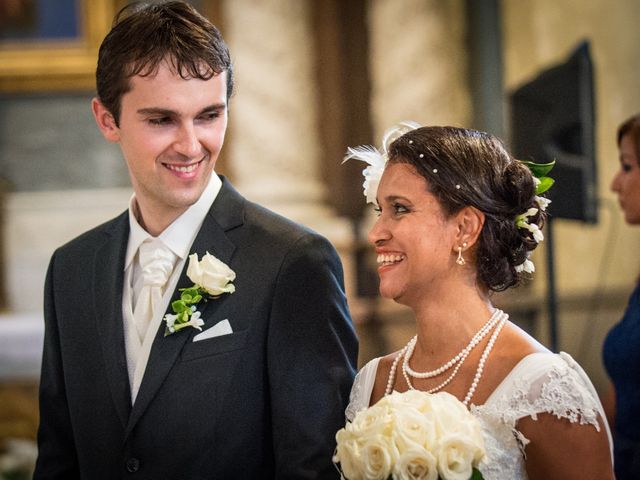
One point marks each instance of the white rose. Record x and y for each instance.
(451, 414)
(456, 456)
(413, 398)
(369, 432)
(414, 428)
(379, 454)
(348, 455)
(211, 274)
(453, 418)
(375, 420)
(414, 464)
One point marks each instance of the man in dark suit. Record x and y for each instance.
(256, 385)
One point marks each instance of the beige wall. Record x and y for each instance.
(539, 33)
(417, 63)
(596, 264)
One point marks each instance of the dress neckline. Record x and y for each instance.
(523, 362)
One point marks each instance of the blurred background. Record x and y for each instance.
(552, 78)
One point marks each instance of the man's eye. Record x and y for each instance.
(207, 117)
(378, 210)
(159, 121)
(625, 167)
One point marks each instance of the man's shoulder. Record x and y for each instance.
(96, 235)
(276, 227)
(232, 209)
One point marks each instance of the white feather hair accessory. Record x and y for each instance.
(377, 159)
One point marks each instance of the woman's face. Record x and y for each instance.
(413, 239)
(626, 182)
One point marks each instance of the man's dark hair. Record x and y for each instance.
(144, 35)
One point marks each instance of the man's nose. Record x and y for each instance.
(187, 142)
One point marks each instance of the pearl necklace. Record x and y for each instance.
(460, 357)
(483, 359)
(500, 320)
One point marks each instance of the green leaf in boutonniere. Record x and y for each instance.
(476, 475)
(211, 278)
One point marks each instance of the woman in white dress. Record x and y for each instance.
(458, 220)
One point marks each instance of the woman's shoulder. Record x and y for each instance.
(368, 370)
(361, 388)
(368, 378)
(546, 382)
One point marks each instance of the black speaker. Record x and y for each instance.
(552, 118)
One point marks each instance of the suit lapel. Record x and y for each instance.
(226, 213)
(108, 277)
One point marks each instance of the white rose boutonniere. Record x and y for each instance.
(211, 278)
(412, 435)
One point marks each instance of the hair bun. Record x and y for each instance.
(519, 188)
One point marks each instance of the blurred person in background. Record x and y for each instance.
(621, 351)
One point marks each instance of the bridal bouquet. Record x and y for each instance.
(411, 435)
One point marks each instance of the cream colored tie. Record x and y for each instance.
(156, 262)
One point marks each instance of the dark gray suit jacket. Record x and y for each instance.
(262, 402)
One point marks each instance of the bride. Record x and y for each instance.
(458, 218)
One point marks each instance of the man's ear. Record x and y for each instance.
(106, 122)
(470, 221)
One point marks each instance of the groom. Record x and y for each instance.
(259, 389)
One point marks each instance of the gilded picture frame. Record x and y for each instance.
(41, 65)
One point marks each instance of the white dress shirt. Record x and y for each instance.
(178, 237)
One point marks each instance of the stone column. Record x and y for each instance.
(418, 63)
(274, 154)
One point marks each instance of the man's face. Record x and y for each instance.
(171, 131)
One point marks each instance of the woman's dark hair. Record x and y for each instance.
(470, 168)
(144, 35)
(631, 127)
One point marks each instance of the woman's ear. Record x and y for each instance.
(106, 122)
(470, 221)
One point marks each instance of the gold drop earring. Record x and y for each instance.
(460, 260)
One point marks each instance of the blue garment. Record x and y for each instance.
(621, 354)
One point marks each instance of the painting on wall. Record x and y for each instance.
(39, 20)
(51, 45)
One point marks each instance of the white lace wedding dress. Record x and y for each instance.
(539, 383)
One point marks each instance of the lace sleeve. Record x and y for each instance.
(548, 383)
(540, 383)
(361, 389)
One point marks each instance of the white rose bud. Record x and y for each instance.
(211, 274)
